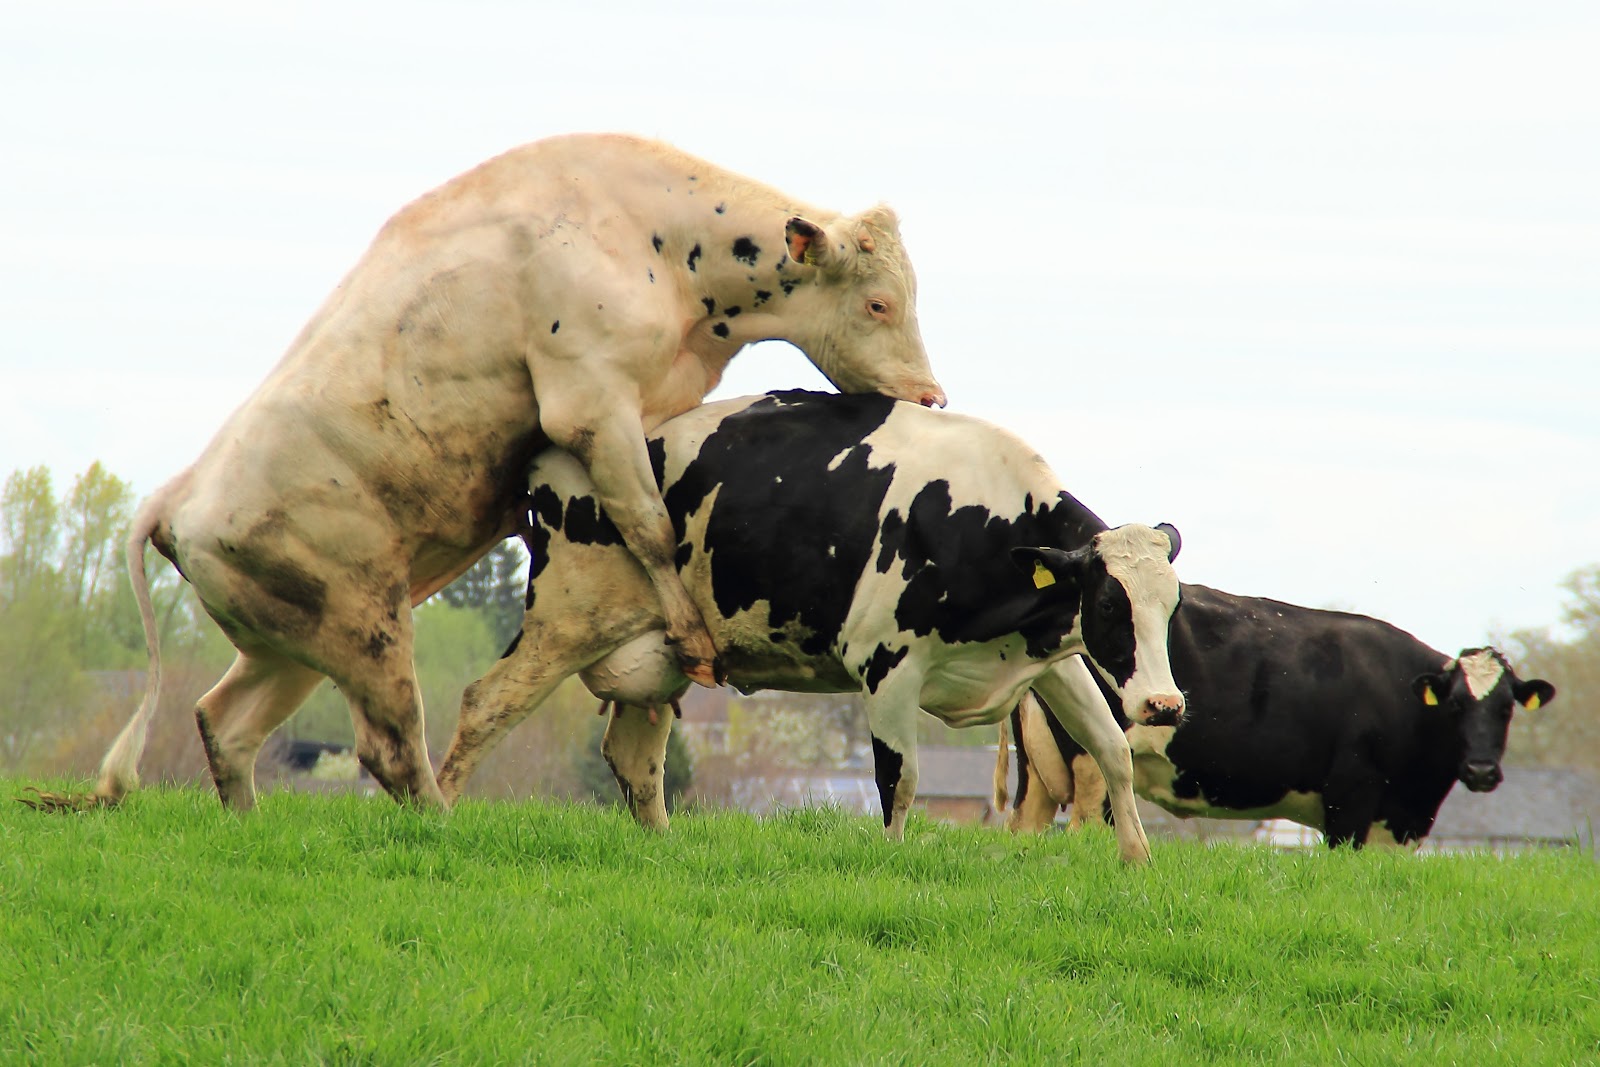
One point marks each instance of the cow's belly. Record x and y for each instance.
(1185, 794)
(976, 685)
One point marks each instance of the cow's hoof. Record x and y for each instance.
(60, 802)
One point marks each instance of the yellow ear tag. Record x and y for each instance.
(1042, 578)
(810, 258)
(1428, 698)
(1533, 703)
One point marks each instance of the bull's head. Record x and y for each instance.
(1126, 592)
(856, 319)
(1478, 691)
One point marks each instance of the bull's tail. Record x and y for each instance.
(119, 771)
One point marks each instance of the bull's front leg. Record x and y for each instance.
(611, 447)
(1075, 700)
(892, 711)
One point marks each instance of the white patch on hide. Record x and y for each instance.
(1482, 671)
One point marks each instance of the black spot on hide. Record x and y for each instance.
(886, 765)
(879, 665)
(733, 312)
(681, 558)
(721, 208)
(655, 241)
(694, 254)
(554, 326)
(762, 296)
(720, 329)
(789, 285)
(746, 251)
(710, 303)
(780, 508)
(960, 581)
(587, 524)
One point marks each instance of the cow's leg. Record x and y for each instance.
(610, 444)
(1350, 800)
(635, 748)
(892, 712)
(1035, 809)
(1088, 793)
(239, 713)
(1076, 702)
(1049, 775)
(491, 706)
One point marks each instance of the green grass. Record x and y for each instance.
(348, 931)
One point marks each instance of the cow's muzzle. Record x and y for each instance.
(1163, 709)
(934, 398)
(1481, 776)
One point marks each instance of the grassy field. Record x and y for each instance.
(347, 931)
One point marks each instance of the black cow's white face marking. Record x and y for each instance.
(1479, 691)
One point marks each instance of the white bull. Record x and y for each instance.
(577, 291)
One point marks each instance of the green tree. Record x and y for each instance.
(96, 516)
(1568, 732)
(38, 670)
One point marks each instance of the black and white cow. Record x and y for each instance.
(835, 543)
(1336, 721)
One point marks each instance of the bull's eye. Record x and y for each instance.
(878, 307)
(1107, 609)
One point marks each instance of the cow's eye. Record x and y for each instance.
(877, 307)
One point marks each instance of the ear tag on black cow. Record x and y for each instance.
(1532, 703)
(1429, 698)
(1042, 578)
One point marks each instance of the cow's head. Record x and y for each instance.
(1478, 691)
(857, 317)
(1126, 592)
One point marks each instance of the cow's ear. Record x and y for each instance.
(1534, 693)
(1050, 566)
(1428, 687)
(1172, 537)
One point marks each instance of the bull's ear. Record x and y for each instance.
(1428, 687)
(808, 243)
(1534, 693)
(1172, 536)
(1050, 566)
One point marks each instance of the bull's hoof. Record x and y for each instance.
(63, 802)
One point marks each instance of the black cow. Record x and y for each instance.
(1337, 721)
(836, 544)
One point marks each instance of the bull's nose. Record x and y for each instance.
(933, 399)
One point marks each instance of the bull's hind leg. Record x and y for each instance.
(1076, 702)
(236, 717)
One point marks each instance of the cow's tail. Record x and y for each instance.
(119, 771)
(1002, 766)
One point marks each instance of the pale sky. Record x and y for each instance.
(1318, 283)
